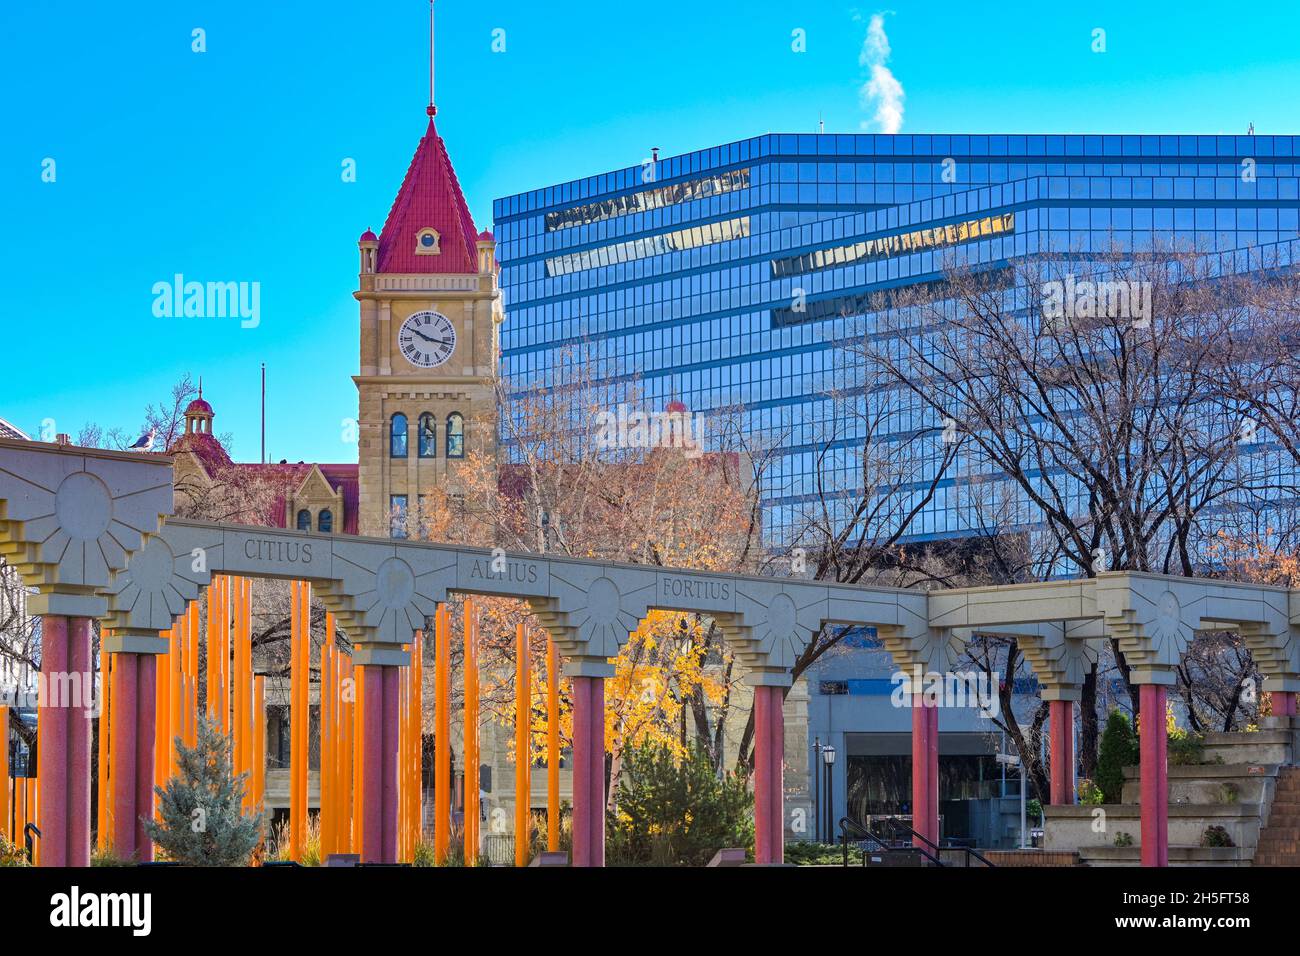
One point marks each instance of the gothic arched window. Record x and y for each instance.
(397, 437)
(325, 523)
(455, 435)
(304, 519)
(428, 436)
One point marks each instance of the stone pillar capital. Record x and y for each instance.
(588, 667)
(134, 642)
(379, 655)
(67, 602)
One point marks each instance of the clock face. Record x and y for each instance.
(427, 339)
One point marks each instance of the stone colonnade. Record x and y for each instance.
(90, 530)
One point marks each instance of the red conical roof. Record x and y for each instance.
(430, 198)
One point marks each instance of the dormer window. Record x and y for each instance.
(428, 243)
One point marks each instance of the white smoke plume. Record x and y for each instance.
(881, 91)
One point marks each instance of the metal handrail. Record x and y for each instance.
(898, 824)
(849, 826)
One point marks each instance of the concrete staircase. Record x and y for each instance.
(1279, 840)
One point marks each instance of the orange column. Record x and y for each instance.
(345, 758)
(300, 638)
(163, 717)
(259, 741)
(192, 674)
(523, 713)
(244, 722)
(4, 774)
(20, 811)
(237, 736)
(213, 599)
(34, 810)
(326, 738)
(442, 735)
(552, 746)
(471, 830)
(404, 758)
(175, 690)
(103, 794)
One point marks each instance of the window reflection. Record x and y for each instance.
(397, 437)
(428, 432)
(455, 436)
(648, 199)
(677, 241)
(883, 247)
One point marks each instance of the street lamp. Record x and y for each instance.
(816, 790)
(828, 758)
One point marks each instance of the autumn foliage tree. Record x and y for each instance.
(557, 489)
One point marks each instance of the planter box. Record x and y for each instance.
(1205, 783)
(1178, 856)
(1078, 827)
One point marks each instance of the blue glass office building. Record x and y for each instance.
(685, 271)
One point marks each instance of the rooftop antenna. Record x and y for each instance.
(431, 109)
(264, 413)
(821, 123)
(1251, 130)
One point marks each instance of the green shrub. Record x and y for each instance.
(1123, 838)
(1228, 793)
(1216, 836)
(11, 854)
(675, 812)
(1090, 794)
(202, 820)
(802, 853)
(1185, 748)
(1118, 749)
(108, 858)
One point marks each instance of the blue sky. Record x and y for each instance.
(225, 165)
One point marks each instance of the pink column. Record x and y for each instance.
(52, 741)
(769, 782)
(588, 771)
(1062, 742)
(776, 802)
(932, 743)
(78, 716)
(372, 777)
(388, 765)
(581, 827)
(1283, 703)
(762, 775)
(1155, 782)
(925, 760)
(125, 746)
(596, 750)
(132, 742)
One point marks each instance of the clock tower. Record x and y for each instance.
(430, 307)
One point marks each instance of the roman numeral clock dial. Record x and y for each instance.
(427, 339)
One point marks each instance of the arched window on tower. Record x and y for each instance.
(455, 435)
(428, 436)
(397, 437)
(325, 523)
(304, 519)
